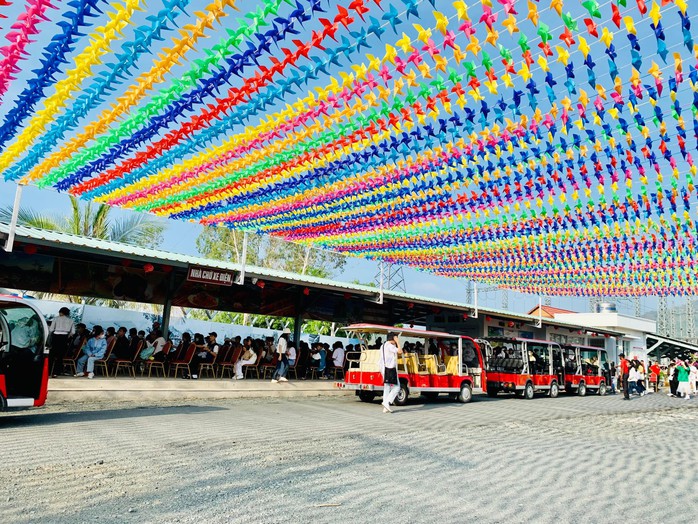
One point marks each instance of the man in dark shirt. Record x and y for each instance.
(122, 347)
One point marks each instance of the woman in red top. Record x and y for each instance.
(624, 373)
(655, 370)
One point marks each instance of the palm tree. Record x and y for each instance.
(94, 221)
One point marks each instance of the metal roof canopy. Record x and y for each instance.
(659, 346)
(403, 306)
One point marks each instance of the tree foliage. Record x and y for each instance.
(94, 221)
(221, 243)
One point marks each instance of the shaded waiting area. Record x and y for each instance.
(61, 263)
(659, 347)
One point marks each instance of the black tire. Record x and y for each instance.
(602, 389)
(466, 393)
(431, 395)
(492, 390)
(3, 403)
(367, 396)
(582, 389)
(528, 391)
(554, 390)
(402, 396)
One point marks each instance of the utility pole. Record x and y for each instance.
(390, 277)
(690, 321)
(662, 320)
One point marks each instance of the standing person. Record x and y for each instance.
(614, 377)
(640, 376)
(683, 372)
(62, 328)
(388, 366)
(656, 371)
(95, 349)
(624, 366)
(673, 379)
(693, 377)
(282, 358)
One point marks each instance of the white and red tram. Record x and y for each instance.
(434, 362)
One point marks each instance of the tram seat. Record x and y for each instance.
(431, 365)
(412, 363)
(495, 364)
(508, 364)
(451, 365)
(369, 360)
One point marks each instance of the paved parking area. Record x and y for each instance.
(570, 459)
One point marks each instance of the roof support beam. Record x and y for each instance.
(9, 243)
(241, 278)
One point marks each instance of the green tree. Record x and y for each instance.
(270, 252)
(95, 221)
(221, 243)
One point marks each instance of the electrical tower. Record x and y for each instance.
(392, 275)
(690, 321)
(662, 317)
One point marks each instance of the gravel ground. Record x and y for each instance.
(570, 459)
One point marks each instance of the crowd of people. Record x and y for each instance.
(113, 345)
(633, 377)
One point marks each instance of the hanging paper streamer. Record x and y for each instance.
(19, 37)
(548, 148)
(54, 56)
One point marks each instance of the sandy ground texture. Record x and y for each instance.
(570, 459)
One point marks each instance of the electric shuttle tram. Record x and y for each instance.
(522, 366)
(586, 369)
(432, 362)
(23, 354)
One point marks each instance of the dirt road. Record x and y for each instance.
(593, 459)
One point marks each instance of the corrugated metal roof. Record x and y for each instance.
(106, 247)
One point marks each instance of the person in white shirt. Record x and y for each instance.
(388, 366)
(282, 362)
(62, 328)
(248, 358)
(291, 353)
(338, 354)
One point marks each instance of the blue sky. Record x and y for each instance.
(180, 237)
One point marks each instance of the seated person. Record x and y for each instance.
(94, 350)
(338, 354)
(269, 350)
(205, 355)
(377, 344)
(318, 354)
(248, 358)
(122, 347)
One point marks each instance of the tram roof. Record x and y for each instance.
(379, 329)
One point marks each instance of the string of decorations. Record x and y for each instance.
(544, 147)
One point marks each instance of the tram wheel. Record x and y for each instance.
(602, 389)
(366, 396)
(466, 393)
(582, 389)
(492, 390)
(528, 391)
(554, 390)
(401, 398)
(3, 402)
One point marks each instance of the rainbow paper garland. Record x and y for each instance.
(544, 147)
